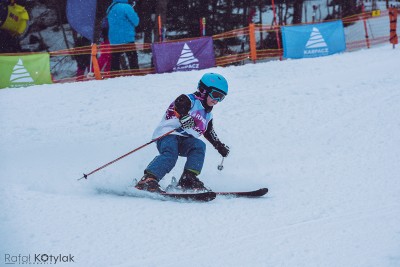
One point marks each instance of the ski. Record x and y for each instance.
(176, 196)
(196, 197)
(173, 188)
(233, 194)
(186, 196)
(249, 194)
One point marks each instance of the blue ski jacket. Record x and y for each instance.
(122, 21)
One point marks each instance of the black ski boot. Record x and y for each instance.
(189, 181)
(149, 183)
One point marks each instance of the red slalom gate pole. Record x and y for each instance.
(364, 15)
(127, 154)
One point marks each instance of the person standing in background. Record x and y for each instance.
(122, 21)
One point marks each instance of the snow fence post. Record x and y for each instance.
(253, 48)
(95, 63)
(393, 26)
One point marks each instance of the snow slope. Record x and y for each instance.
(322, 134)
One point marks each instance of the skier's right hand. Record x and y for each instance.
(187, 122)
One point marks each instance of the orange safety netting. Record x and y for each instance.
(240, 46)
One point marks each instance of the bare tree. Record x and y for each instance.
(297, 11)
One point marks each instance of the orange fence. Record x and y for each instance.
(237, 47)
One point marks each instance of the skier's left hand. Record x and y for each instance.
(223, 149)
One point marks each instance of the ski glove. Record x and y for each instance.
(223, 149)
(187, 122)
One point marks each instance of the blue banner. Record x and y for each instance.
(314, 40)
(81, 15)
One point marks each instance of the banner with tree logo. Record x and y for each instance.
(19, 71)
(184, 56)
(313, 40)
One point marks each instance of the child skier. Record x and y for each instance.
(190, 115)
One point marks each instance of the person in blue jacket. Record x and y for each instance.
(122, 21)
(191, 116)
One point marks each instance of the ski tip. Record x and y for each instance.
(260, 192)
(264, 190)
(249, 194)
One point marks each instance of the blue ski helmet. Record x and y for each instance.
(213, 81)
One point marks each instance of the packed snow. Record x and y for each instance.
(322, 134)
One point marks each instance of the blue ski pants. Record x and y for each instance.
(172, 146)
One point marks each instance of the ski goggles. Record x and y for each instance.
(216, 94)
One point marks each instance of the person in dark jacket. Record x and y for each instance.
(122, 21)
(190, 115)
